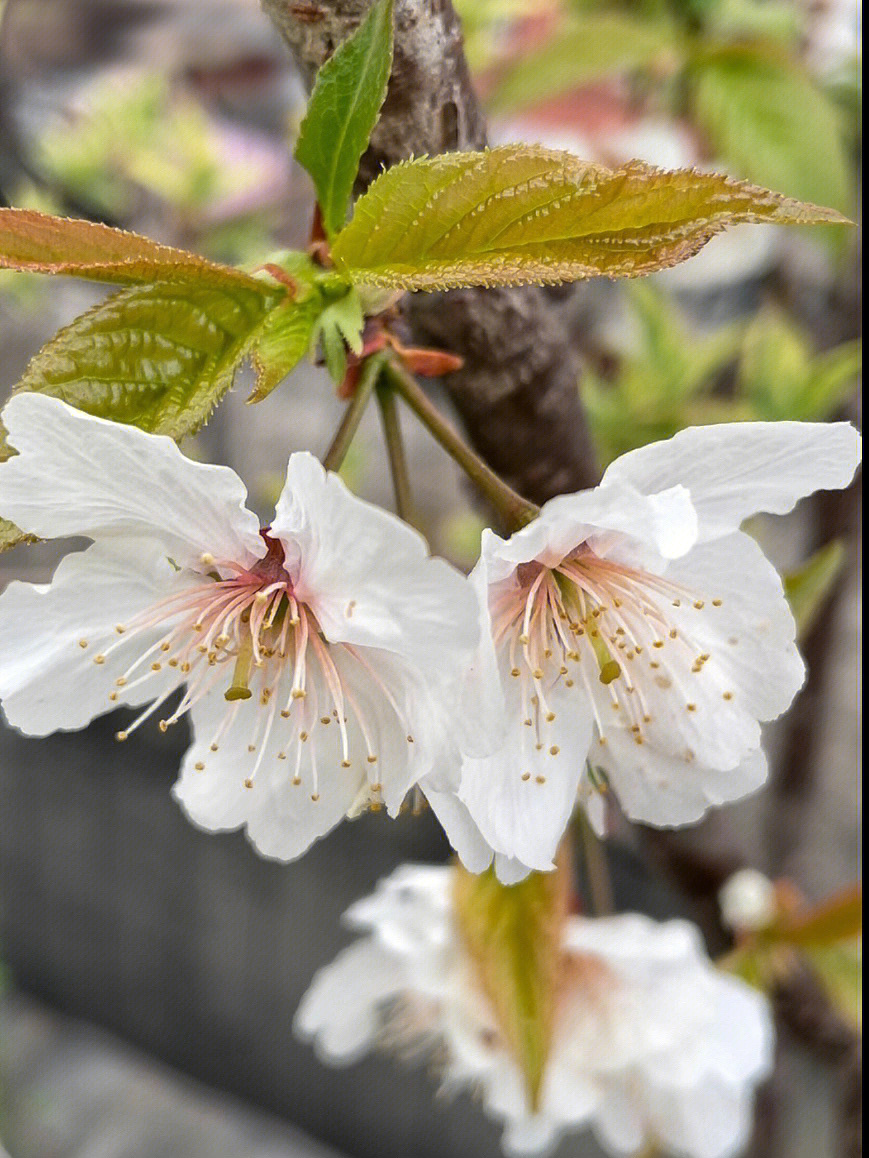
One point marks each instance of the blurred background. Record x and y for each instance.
(150, 972)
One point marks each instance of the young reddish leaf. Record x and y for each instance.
(342, 111)
(39, 243)
(525, 214)
(838, 918)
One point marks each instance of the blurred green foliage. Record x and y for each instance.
(145, 139)
(734, 69)
(673, 377)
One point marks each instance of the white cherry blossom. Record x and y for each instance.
(319, 656)
(634, 636)
(651, 1045)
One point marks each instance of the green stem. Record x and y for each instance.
(514, 510)
(395, 450)
(596, 867)
(336, 453)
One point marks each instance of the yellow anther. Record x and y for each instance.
(121, 735)
(540, 779)
(554, 750)
(82, 643)
(526, 775)
(98, 659)
(119, 628)
(206, 558)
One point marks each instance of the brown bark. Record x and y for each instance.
(517, 394)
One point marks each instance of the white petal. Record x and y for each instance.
(711, 1120)
(619, 1121)
(530, 1137)
(666, 791)
(509, 870)
(615, 520)
(340, 1010)
(742, 1038)
(48, 681)
(282, 818)
(750, 636)
(461, 831)
(367, 575)
(523, 796)
(78, 475)
(734, 470)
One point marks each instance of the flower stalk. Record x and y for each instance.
(346, 432)
(395, 451)
(513, 509)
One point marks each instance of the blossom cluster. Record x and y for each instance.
(627, 642)
(630, 638)
(652, 1045)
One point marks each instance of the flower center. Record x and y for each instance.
(584, 623)
(250, 634)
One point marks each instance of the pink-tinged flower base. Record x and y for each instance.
(320, 658)
(634, 639)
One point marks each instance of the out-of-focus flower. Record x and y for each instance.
(636, 628)
(320, 656)
(748, 901)
(651, 1044)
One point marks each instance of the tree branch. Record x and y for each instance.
(517, 392)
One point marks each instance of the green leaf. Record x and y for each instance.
(342, 111)
(339, 326)
(839, 968)
(585, 48)
(525, 214)
(40, 243)
(158, 357)
(809, 588)
(769, 121)
(513, 935)
(783, 379)
(286, 336)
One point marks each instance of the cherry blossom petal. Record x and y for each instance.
(344, 1028)
(750, 634)
(461, 831)
(522, 797)
(610, 518)
(367, 576)
(734, 470)
(291, 778)
(666, 791)
(79, 475)
(51, 635)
